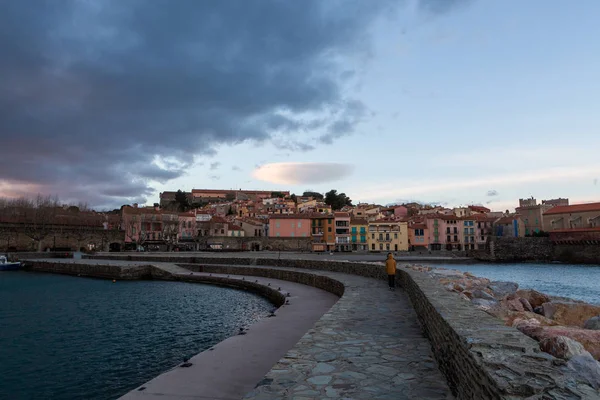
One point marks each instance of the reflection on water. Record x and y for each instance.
(64, 337)
(580, 282)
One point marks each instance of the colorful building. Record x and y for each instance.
(290, 225)
(342, 231)
(322, 232)
(576, 216)
(387, 235)
(358, 233)
(418, 235)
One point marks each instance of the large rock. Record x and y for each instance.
(570, 313)
(534, 297)
(562, 347)
(482, 294)
(502, 289)
(593, 323)
(484, 304)
(588, 338)
(586, 369)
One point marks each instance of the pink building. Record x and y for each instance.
(187, 226)
(418, 234)
(292, 225)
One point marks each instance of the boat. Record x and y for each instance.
(8, 266)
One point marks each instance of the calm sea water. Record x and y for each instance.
(580, 282)
(75, 338)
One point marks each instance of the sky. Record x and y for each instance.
(454, 102)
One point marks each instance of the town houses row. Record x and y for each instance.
(363, 227)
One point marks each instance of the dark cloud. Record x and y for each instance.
(110, 96)
(492, 193)
(214, 166)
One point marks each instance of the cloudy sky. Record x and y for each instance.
(450, 101)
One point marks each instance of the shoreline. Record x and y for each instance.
(564, 327)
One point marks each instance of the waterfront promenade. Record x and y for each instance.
(369, 345)
(372, 343)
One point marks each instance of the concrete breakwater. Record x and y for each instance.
(479, 356)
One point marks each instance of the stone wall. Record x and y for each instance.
(538, 249)
(480, 356)
(95, 270)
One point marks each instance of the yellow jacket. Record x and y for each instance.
(390, 265)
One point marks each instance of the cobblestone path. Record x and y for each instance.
(368, 346)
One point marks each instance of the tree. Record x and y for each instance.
(309, 193)
(278, 194)
(337, 200)
(39, 216)
(170, 229)
(181, 200)
(294, 198)
(230, 196)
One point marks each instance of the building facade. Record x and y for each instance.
(387, 235)
(358, 232)
(576, 216)
(294, 225)
(342, 231)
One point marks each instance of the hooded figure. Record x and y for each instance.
(390, 266)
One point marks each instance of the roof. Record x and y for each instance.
(385, 221)
(480, 209)
(233, 227)
(596, 229)
(289, 216)
(358, 221)
(575, 208)
(341, 214)
(508, 219)
(419, 226)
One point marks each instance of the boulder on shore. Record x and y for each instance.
(502, 289)
(562, 347)
(593, 323)
(588, 338)
(510, 318)
(535, 298)
(570, 313)
(586, 369)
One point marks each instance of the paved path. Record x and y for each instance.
(369, 345)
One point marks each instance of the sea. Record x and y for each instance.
(579, 282)
(64, 337)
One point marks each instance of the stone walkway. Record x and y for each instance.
(369, 345)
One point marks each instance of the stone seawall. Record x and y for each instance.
(480, 356)
(538, 249)
(95, 270)
(304, 278)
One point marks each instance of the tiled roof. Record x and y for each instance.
(480, 209)
(575, 208)
(232, 227)
(341, 214)
(289, 216)
(358, 221)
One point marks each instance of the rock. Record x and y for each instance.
(458, 287)
(562, 347)
(464, 297)
(502, 289)
(539, 310)
(593, 323)
(526, 304)
(512, 304)
(586, 369)
(510, 317)
(468, 293)
(480, 294)
(484, 304)
(588, 338)
(570, 313)
(534, 297)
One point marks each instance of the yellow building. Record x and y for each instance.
(387, 235)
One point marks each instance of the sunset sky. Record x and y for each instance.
(448, 101)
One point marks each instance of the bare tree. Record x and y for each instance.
(170, 229)
(39, 216)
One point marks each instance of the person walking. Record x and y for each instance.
(390, 266)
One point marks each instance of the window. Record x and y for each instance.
(299, 224)
(456, 238)
(373, 246)
(373, 236)
(387, 236)
(447, 238)
(277, 234)
(381, 236)
(466, 223)
(395, 247)
(466, 231)
(222, 231)
(293, 225)
(380, 246)
(395, 236)
(304, 234)
(216, 231)
(329, 220)
(293, 234)
(277, 224)
(354, 230)
(329, 229)
(387, 246)
(471, 230)
(448, 230)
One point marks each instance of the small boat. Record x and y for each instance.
(8, 266)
